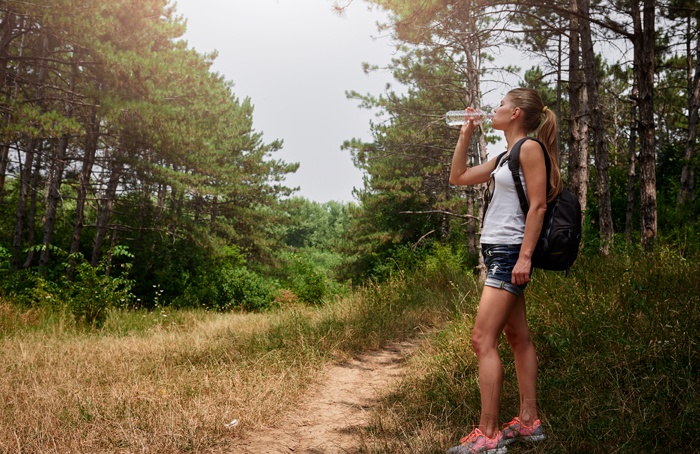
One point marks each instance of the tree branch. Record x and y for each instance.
(448, 213)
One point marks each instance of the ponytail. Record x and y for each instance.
(547, 134)
(539, 118)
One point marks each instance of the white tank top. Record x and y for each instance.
(504, 221)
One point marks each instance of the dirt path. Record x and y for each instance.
(329, 419)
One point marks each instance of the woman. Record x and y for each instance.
(508, 240)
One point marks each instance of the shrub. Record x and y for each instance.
(229, 287)
(245, 289)
(90, 293)
(306, 280)
(84, 292)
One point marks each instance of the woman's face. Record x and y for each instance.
(502, 114)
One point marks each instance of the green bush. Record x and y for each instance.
(27, 288)
(5, 258)
(89, 293)
(229, 287)
(305, 274)
(84, 292)
(242, 288)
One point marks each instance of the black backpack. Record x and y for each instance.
(557, 247)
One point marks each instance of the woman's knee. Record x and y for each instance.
(517, 337)
(481, 343)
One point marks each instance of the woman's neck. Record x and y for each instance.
(512, 136)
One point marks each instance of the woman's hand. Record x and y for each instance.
(468, 127)
(460, 174)
(521, 271)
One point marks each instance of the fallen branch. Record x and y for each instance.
(448, 213)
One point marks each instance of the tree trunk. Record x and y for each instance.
(110, 255)
(631, 165)
(578, 127)
(214, 214)
(106, 208)
(476, 155)
(644, 41)
(54, 193)
(595, 118)
(31, 216)
(24, 187)
(687, 189)
(560, 84)
(26, 172)
(7, 27)
(53, 199)
(446, 221)
(91, 142)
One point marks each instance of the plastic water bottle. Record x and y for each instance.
(457, 117)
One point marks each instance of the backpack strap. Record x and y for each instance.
(514, 167)
(487, 200)
(499, 157)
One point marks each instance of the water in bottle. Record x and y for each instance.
(457, 117)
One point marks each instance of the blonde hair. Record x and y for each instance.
(538, 118)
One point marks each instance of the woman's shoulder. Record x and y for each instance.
(531, 145)
(532, 151)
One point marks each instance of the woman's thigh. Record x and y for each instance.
(492, 315)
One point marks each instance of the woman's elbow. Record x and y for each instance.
(540, 209)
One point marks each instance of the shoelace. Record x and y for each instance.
(473, 436)
(513, 422)
(521, 426)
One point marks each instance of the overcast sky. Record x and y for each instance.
(295, 59)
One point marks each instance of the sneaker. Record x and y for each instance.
(477, 442)
(515, 430)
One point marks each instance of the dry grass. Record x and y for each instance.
(170, 381)
(166, 390)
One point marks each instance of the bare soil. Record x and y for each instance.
(330, 418)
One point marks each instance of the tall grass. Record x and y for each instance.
(617, 343)
(168, 381)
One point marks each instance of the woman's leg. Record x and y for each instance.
(518, 335)
(492, 315)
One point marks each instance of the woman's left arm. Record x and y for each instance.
(535, 173)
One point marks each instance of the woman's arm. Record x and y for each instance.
(535, 173)
(460, 174)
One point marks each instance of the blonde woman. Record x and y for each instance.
(508, 240)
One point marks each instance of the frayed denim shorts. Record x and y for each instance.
(500, 260)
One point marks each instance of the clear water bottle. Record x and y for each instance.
(457, 117)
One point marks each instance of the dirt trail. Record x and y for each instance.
(328, 420)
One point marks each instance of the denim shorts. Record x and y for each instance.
(500, 260)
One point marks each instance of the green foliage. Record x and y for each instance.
(5, 258)
(307, 280)
(89, 293)
(182, 171)
(84, 292)
(228, 286)
(240, 287)
(315, 225)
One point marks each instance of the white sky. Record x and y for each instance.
(295, 59)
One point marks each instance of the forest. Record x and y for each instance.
(158, 279)
(131, 175)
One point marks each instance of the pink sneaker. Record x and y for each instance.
(515, 430)
(478, 443)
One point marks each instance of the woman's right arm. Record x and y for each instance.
(462, 175)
